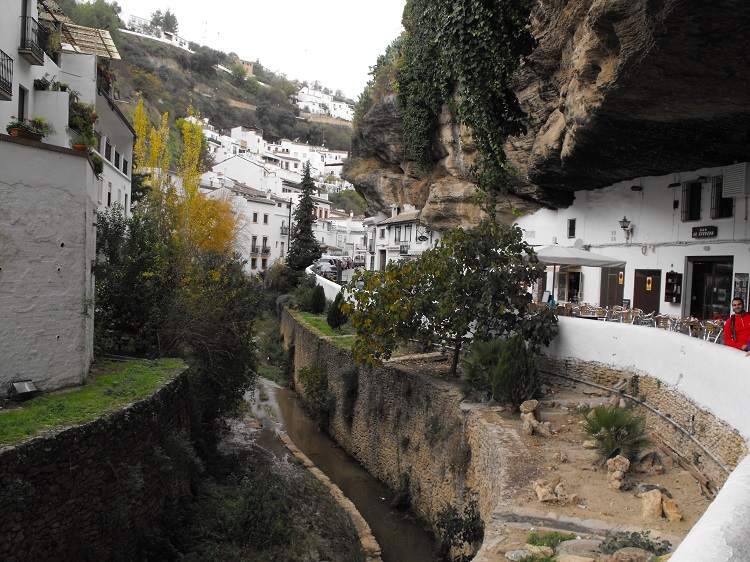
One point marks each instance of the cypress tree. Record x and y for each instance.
(303, 247)
(516, 376)
(336, 317)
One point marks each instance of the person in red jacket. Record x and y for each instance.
(737, 326)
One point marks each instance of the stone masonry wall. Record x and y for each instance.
(723, 441)
(83, 493)
(410, 430)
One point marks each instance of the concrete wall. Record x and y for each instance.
(84, 493)
(47, 246)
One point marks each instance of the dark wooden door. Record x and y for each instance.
(647, 290)
(611, 292)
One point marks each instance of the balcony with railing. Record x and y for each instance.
(265, 250)
(403, 249)
(6, 76)
(31, 41)
(254, 250)
(284, 230)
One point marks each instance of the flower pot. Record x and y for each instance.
(24, 134)
(79, 147)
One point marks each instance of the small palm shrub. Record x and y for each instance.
(479, 366)
(516, 377)
(614, 541)
(616, 431)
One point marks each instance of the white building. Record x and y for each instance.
(316, 102)
(136, 25)
(400, 236)
(685, 238)
(48, 195)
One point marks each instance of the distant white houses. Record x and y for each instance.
(316, 102)
(398, 237)
(136, 25)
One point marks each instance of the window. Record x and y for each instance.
(255, 217)
(397, 235)
(265, 218)
(407, 233)
(117, 160)
(108, 151)
(382, 233)
(109, 194)
(264, 263)
(691, 200)
(279, 205)
(124, 166)
(253, 263)
(721, 207)
(282, 249)
(571, 228)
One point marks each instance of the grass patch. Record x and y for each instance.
(319, 324)
(115, 384)
(550, 539)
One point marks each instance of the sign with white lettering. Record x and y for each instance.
(705, 231)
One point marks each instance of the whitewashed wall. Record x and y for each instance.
(47, 245)
(660, 240)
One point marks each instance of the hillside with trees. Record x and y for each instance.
(170, 79)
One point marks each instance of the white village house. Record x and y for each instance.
(685, 238)
(49, 194)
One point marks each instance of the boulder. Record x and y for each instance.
(530, 406)
(670, 510)
(543, 491)
(652, 504)
(617, 473)
(540, 550)
(517, 554)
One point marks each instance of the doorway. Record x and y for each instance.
(611, 292)
(647, 290)
(711, 287)
(382, 260)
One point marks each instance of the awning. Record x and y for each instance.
(559, 255)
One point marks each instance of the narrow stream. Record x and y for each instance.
(401, 536)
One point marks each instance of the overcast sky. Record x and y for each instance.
(332, 41)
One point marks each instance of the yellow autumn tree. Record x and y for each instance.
(140, 125)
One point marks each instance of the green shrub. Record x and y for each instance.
(550, 539)
(479, 366)
(336, 317)
(458, 530)
(317, 400)
(615, 541)
(516, 378)
(616, 431)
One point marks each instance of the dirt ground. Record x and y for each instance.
(582, 473)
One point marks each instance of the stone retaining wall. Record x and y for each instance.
(723, 441)
(83, 493)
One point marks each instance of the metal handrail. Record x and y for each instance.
(30, 37)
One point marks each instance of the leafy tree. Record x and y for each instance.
(97, 13)
(348, 200)
(470, 287)
(318, 300)
(238, 74)
(303, 247)
(516, 377)
(169, 22)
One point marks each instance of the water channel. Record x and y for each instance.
(401, 536)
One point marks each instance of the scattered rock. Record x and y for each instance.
(617, 473)
(528, 427)
(562, 456)
(623, 404)
(590, 444)
(630, 554)
(652, 504)
(670, 510)
(540, 550)
(543, 491)
(529, 406)
(528, 416)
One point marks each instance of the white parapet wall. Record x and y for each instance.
(711, 375)
(716, 378)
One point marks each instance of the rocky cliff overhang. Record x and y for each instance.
(614, 90)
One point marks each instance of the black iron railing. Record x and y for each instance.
(31, 38)
(265, 250)
(284, 230)
(403, 249)
(255, 249)
(6, 74)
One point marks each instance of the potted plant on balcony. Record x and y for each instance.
(98, 163)
(83, 141)
(34, 129)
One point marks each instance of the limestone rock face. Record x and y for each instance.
(614, 89)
